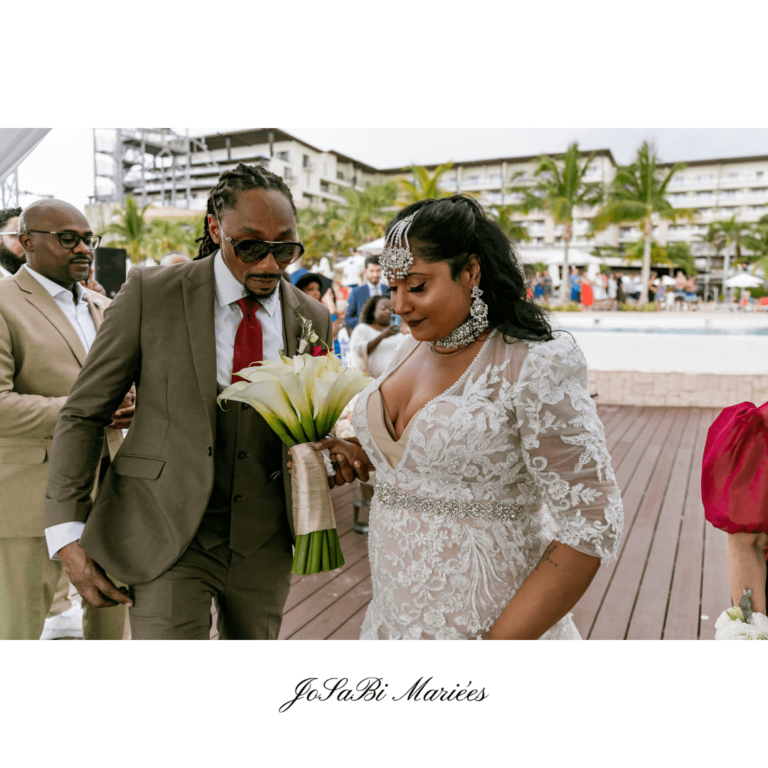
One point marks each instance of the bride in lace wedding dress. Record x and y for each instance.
(495, 502)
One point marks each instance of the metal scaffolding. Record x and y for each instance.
(154, 165)
(10, 191)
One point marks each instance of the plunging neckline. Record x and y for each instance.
(421, 410)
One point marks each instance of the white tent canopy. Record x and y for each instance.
(15, 145)
(576, 256)
(373, 248)
(743, 280)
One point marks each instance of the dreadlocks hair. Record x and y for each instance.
(224, 196)
(6, 214)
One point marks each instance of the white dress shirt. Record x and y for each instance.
(374, 290)
(227, 317)
(4, 272)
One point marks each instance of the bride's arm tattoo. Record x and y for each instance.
(545, 558)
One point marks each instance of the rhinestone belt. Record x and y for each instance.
(492, 510)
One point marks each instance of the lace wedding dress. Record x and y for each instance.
(509, 458)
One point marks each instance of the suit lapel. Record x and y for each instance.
(291, 324)
(42, 301)
(198, 287)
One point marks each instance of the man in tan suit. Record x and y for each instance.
(47, 323)
(196, 504)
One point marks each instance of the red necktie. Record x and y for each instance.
(248, 341)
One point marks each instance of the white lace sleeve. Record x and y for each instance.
(563, 445)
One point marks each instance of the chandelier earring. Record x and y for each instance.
(471, 328)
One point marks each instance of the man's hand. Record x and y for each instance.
(121, 418)
(92, 285)
(89, 579)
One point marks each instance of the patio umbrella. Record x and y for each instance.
(743, 280)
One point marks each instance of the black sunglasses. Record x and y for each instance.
(251, 251)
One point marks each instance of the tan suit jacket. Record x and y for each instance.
(41, 356)
(160, 333)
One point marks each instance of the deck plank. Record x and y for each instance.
(684, 610)
(634, 485)
(647, 621)
(613, 618)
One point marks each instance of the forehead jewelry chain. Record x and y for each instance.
(470, 329)
(396, 258)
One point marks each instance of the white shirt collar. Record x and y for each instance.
(4, 272)
(373, 288)
(54, 288)
(228, 290)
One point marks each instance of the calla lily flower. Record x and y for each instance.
(300, 397)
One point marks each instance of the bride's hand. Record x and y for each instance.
(349, 458)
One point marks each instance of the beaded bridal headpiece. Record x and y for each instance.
(396, 258)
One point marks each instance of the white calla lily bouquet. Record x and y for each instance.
(741, 622)
(301, 399)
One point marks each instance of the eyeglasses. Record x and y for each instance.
(70, 239)
(251, 251)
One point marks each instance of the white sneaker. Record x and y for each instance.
(67, 624)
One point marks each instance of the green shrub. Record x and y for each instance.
(572, 307)
(649, 307)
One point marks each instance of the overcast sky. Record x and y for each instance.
(62, 165)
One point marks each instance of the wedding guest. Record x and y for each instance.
(48, 323)
(371, 287)
(11, 251)
(375, 339)
(575, 285)
(174, 257)
(734, 490)
(681, 281)
(612, 290)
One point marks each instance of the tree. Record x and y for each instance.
(756, 241)
(675, 255)
(423, 186)
(558, 189)
(637, 194)
(131, 228)
(366, 213)
(514, 230)
(724, 234)
(324, 231)
(167, 235)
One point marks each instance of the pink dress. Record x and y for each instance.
(734, 474)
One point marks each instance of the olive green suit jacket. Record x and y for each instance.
(159, 332)
(41, 356)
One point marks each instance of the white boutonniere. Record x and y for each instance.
(98, 303)
(307, 335)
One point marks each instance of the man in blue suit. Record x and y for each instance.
(371, 287)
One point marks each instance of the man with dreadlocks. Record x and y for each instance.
(195, 505)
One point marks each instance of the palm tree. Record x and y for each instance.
(637, 194)
(423, 186)
(724, 234)
(757, 242)
(166, 235)
(324, 231)
(676, 255)
(514, 230)
(366, 213)
(559, 188)
(132, 229)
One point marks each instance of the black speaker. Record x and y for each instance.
(109, 264)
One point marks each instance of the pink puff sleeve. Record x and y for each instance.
(734, 477)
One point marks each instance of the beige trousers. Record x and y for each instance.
(30, 582)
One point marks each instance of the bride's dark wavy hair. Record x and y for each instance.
(454, 229)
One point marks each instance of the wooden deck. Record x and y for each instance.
(670, 581)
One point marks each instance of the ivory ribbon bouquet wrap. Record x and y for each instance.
(301, 399)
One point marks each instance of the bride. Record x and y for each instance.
(495, 502)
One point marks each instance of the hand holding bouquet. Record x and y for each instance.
(741, 622)
(301, 398)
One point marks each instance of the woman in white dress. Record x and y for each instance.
(374, 339)
(495, 502)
